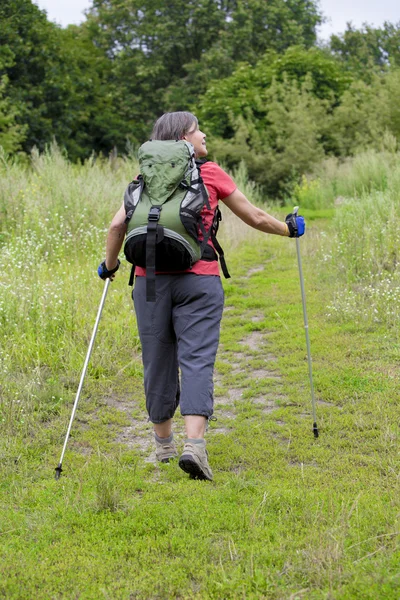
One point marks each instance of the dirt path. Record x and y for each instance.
(137, 433)
(125, 412)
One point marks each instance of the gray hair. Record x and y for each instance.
(173, 126)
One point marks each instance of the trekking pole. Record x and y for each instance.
(59, 467)
(303, 297)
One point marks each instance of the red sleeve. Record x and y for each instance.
(218, 183)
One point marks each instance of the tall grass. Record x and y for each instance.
(333, 181)
(363, 249)
(367, 235)
(54, 216)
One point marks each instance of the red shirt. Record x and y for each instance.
(219, 185)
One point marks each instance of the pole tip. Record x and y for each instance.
(58, 472)
(315, 430)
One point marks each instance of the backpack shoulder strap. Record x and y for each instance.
(216, 244)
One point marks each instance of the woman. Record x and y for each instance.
(180, 331)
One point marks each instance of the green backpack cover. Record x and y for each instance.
(163, 211)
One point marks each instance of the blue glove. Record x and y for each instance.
(296, 225)
(104, 273)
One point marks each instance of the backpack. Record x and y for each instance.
(163, 213)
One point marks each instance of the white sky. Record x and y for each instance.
(339, 12)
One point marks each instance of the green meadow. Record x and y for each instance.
(287, 516)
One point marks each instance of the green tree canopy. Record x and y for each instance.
(368, 113)
(368, 50)
(250, 69)
(11, 134)
(244, 92)
(32, 46)
(164, 54)
(278, 132)
(55, 82)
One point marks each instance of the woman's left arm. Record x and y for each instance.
(115, 238)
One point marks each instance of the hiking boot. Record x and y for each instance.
(165, 450)
(194, 460)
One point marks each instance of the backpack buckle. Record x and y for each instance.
(154, 214)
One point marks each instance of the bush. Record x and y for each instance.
(284, 144)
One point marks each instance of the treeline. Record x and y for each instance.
(251, 70)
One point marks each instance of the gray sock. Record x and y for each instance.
(195, 441)
(167, 440)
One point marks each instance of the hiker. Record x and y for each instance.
(179, 331)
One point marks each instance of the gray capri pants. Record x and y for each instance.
(180, 331)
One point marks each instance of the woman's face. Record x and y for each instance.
(198, 139)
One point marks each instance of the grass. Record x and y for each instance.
(334, 181)
(287, 516)
(360, 251)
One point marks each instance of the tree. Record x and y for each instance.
(367, 113)
(164, 54)
(95, 86)
(367, 50)
(255, 26)
(11, 134)
(57, 80)
(31, 45)
(245, 92)
(149, 42)
(278, 134)
(89, 119)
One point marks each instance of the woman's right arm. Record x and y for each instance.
(253, 216)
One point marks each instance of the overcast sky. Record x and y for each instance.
(338, 12)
